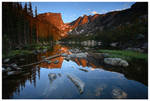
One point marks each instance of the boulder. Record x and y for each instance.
(114, 44)
(6, 60)
(8, 69)
(116, 62)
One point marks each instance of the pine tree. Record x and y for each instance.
(35, 11)
(30, 9)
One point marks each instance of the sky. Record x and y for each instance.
(70, 11)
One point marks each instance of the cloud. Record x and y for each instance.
(94, 12)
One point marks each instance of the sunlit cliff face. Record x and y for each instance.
(51, 25)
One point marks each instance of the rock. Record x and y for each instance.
(83, 70)
(77, 82)
(43, 57)
(145, 46)
(105, 55)
(8, 69)
(22, 59)
(97, 56)
(114, 44)
(38, 51)
(64, 55)
(135, 49)
(118, 93)
(67, 58)
(14, 65)
(6, 60)
(49, 62)
(44, 50)
(52, 76)
(79, 55)
(3, 69)
(56, 62)
(116, 62)
(140, 36)
(13, 73)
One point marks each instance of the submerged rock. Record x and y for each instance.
(52, 76)
(83, 70)
(116, 62)
(77, 82)
(6, 60)
(118, 93)
(56, 62)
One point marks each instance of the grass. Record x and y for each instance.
(25, 51)
(124, 54)
(17, 52)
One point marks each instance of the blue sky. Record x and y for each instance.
(72, 10)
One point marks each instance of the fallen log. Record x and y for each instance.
(51, 57)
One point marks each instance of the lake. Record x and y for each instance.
(53, 80)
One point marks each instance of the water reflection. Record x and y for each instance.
(51, 78)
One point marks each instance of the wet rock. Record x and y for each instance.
(6, 60)
(43, 57)
(83, 70)
(14, 65)
(44, 50)
(77, 82)
(79, 55)
(118, 93)
(116, 62)
(22, 59)
(13, 73)
(64, 55)
(56, 62)
(67, 58)
(8, 69)
(49, 62)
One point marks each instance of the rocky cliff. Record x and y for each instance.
(99, 22)
(51, 24)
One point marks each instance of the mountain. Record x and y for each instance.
(99, 22)
(51, 24)
(83, 20)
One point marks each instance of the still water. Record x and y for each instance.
(47, 81)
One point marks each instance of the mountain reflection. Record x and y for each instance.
(15, 84)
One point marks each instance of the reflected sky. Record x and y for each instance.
(50, 80)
